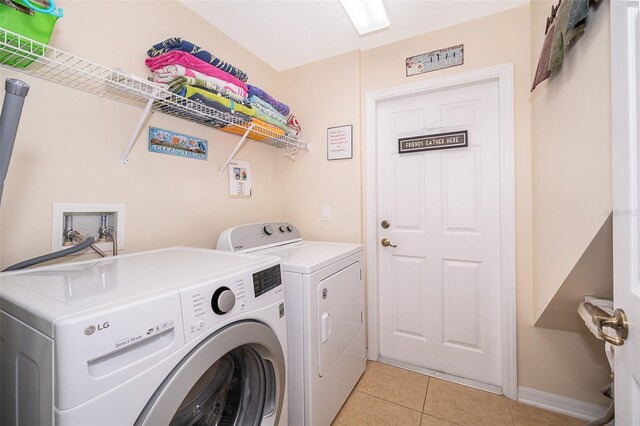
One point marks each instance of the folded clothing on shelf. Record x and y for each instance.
(179, 83)
(294, 125)
(197, 75)
(275, 131)
(201, 95)
(171, 73)
(256, 100)
(269, 112)
(258, 92)
(176, 57)
(267, 116)
(177, 43)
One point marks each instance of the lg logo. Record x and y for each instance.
(92, 329)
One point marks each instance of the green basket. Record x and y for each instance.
(17, 52)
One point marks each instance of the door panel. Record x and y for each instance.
(461, 304)
(460, 196)
(408, 298)
(440, 287)
(409, 180)
(460, 114)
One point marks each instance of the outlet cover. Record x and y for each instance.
(326, 212)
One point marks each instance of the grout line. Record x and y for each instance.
(391, 402)
(513, 419)
(441, 418)
(424, 402)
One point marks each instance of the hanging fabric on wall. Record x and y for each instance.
(566, 22)
(557, 44)
(543, 72)
(577, 17)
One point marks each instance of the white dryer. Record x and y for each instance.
(324, 294)
(178, 336)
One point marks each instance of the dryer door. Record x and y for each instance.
(339, 301)
(234, 377)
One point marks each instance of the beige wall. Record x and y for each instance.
(571, 174)
(562, 363)
(69, 142)
(324, 94)
(571, 155)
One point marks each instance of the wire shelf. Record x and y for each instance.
(40, 60)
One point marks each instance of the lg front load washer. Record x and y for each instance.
(178, 336)
(324, 294)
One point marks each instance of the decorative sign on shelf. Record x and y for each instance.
(339, 142)
(436, 60)
(433, 142)
(168, 142)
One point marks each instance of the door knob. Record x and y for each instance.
(618, 322)
(386, 243)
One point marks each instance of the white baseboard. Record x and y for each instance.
(560, 404)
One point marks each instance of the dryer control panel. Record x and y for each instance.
(257, 236)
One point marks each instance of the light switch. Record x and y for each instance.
(326, 212)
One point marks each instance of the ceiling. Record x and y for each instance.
(289, 33)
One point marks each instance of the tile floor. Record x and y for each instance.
(387, 395)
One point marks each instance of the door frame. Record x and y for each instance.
(503, 74)
(624, 128)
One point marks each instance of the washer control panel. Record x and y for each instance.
(223, 300)
(266, 280)
(210, 303)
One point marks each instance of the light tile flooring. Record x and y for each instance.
(387, 395)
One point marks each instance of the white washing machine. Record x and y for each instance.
(324, 294)
(178, 336)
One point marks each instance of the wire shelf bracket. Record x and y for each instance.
(25, 55)
(235, 150)
(136, 131)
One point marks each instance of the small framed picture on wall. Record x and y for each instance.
(340, 142)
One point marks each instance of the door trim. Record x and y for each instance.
(625, 135)
(503, 74)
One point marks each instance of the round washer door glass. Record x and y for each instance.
(234, 377)
(232, 391)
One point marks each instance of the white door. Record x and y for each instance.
(625, 41)
(439, 289)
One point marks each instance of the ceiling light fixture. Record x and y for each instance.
(366, 15)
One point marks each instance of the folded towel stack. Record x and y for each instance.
(199, 76)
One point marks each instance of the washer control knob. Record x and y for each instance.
(267, 229)
(289, 228)
(282, 228)
(223, 300)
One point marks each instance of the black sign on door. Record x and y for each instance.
(432, 142)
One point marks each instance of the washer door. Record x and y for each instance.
(234, 377)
